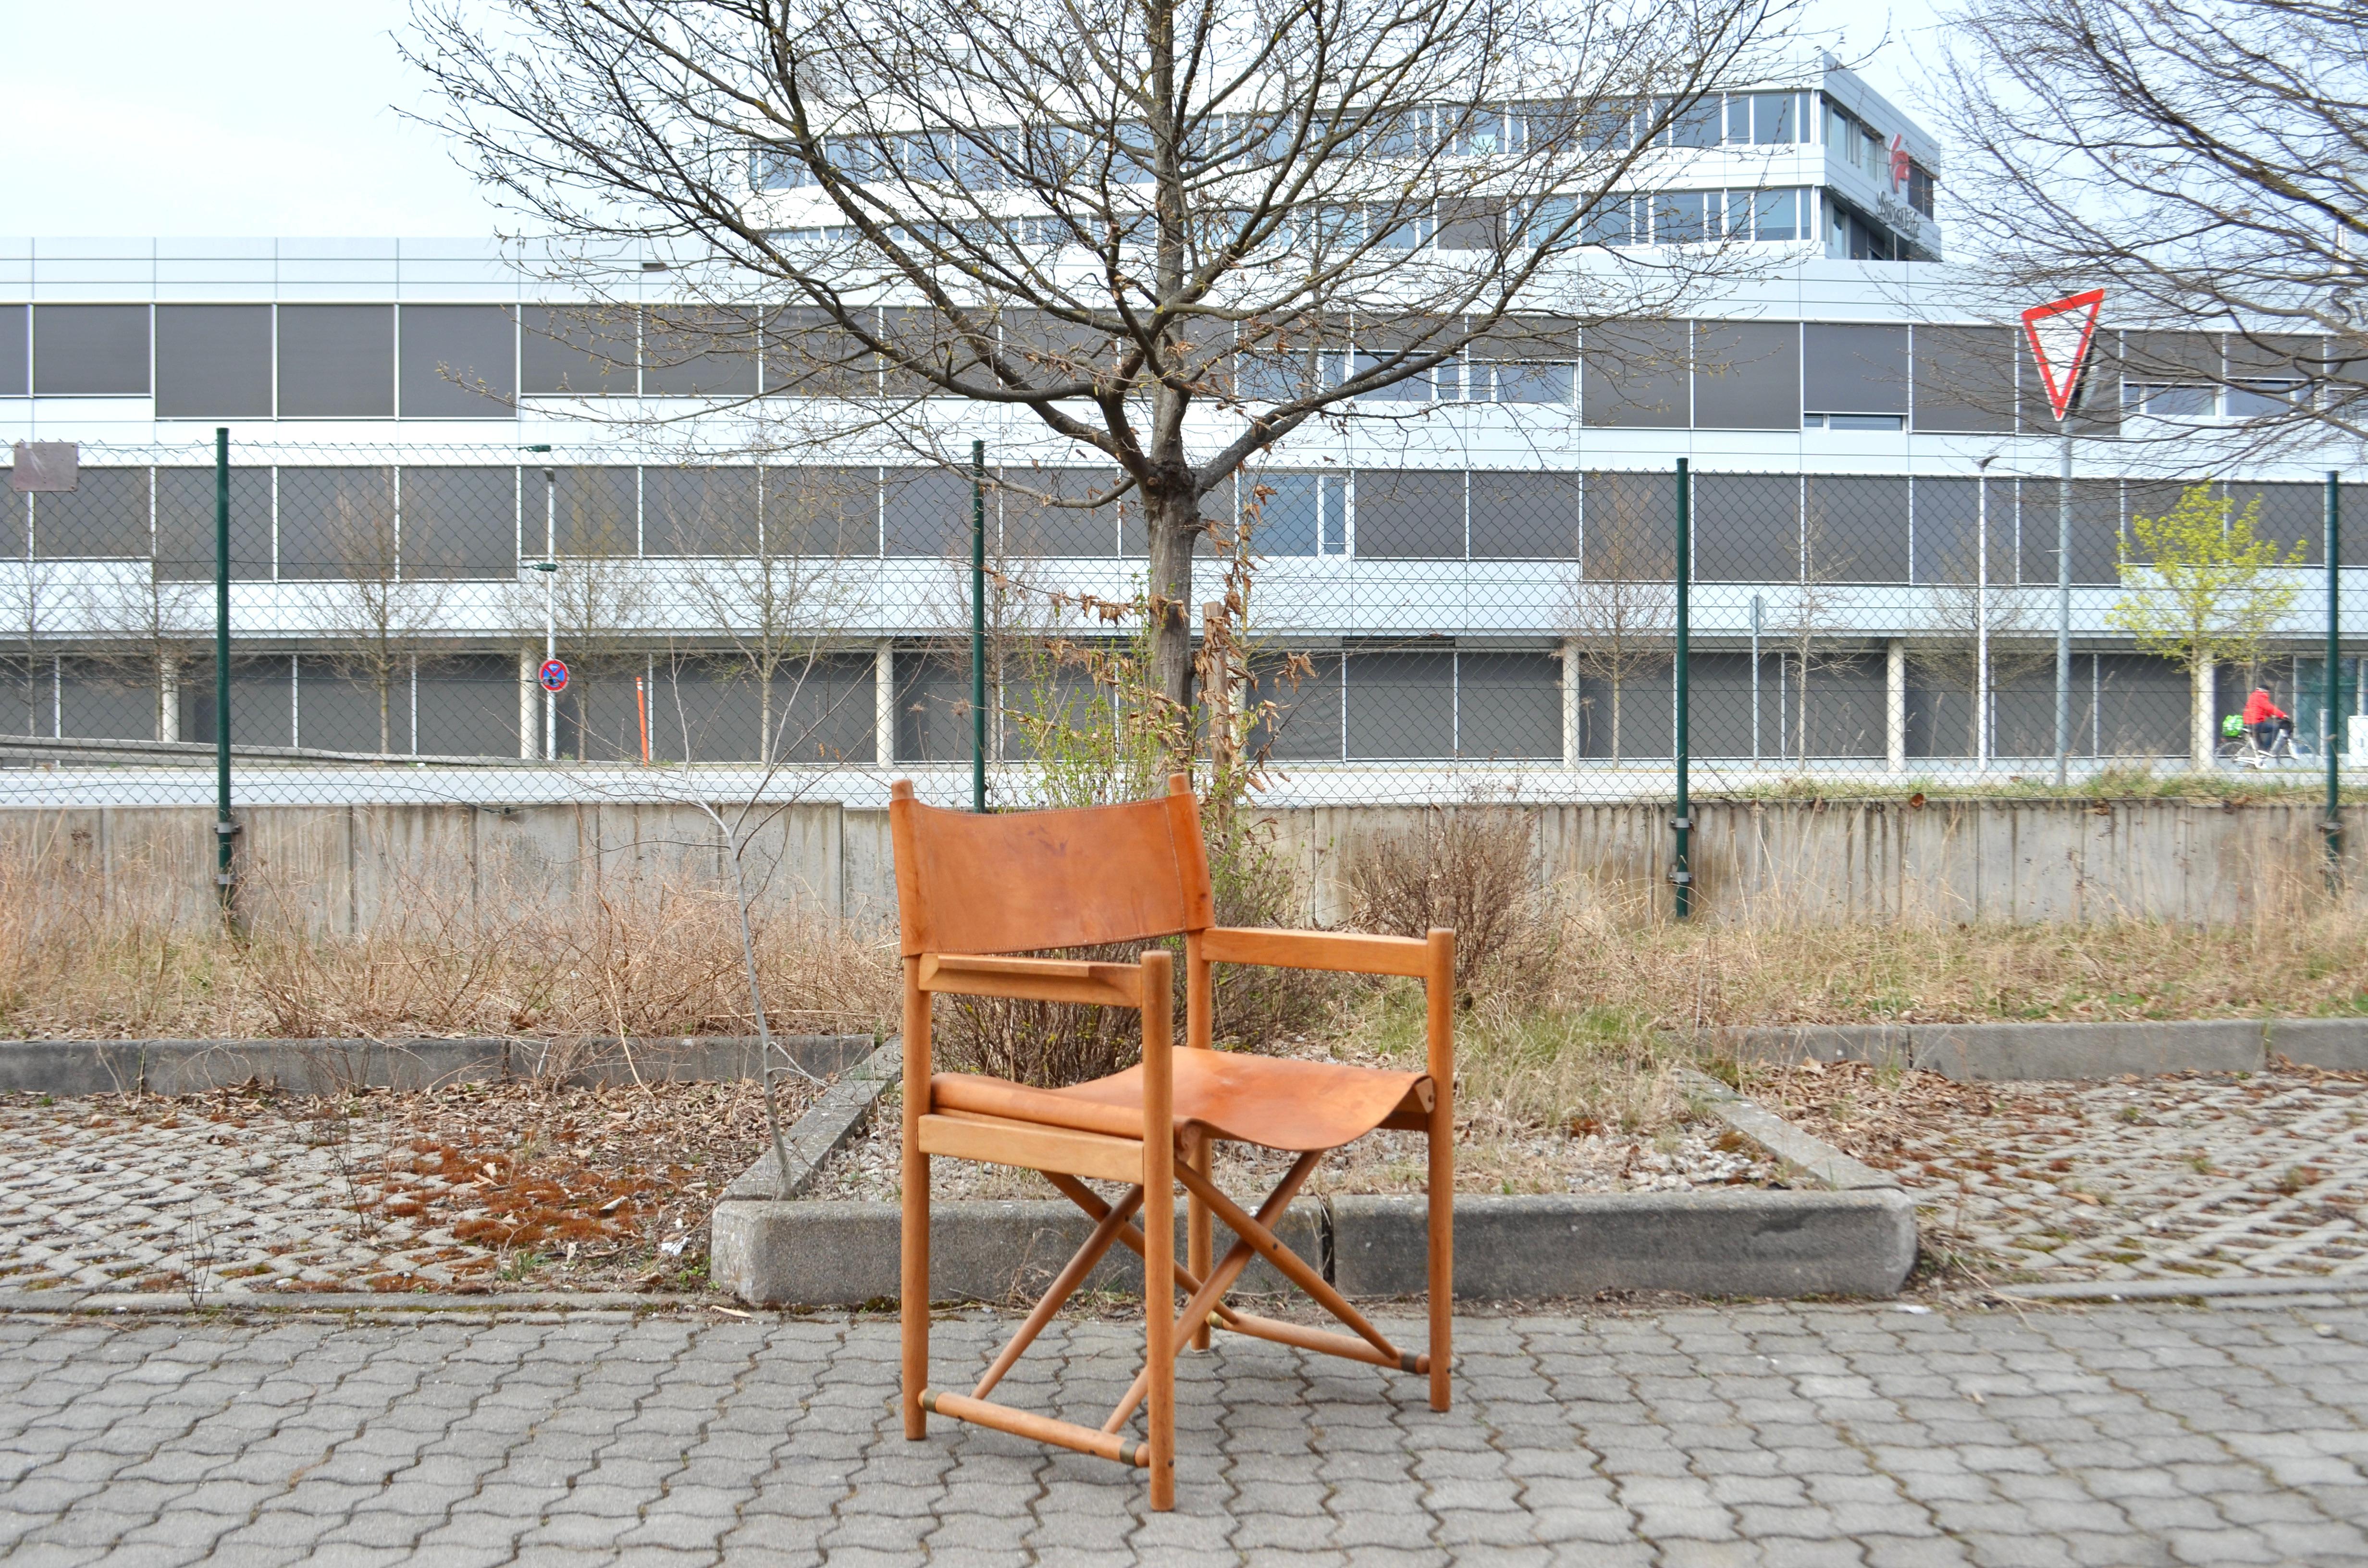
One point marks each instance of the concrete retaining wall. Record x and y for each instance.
(352, 869)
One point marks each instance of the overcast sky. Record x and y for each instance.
(280, 117)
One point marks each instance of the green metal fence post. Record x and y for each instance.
(978, 626)
(2334, 685)
(1681, 875)
(224, 828)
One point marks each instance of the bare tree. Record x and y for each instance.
(2208, 165)
(1964, 613)
(1619, 611)
(1108, 215)
(1809, 611)
(377, 617)
(598, 595)
(150, 628)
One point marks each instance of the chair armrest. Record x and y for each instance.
(1348, 952)
(1036, 980)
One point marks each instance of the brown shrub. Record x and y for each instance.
(1466, 868)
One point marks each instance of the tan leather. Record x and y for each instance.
(1273, 1101)
(1023, 881)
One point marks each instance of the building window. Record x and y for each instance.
(1920, 184)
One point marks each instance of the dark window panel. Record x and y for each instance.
(1401, 705)
(699, 511)
(1525, 517)
(96, 699)
(13, 510)
(262, 701)
(599, 718)
(827, 512)
(598, 511)
(463, 522)
(336, 361)
(578, 351)
(808, 353)
(932, 707)
(1298, 514)
(2172, 358)
(1033, 527)
(1855, 529)
(1636, 375)
(1844, 702)
(700, 710)
(1631, 527)
(1630, 719)
(708, 352)
(1304, 724)
(104, 516)
(338, 707)
(2352, 524)
(1965, 379)
(2290, 513)
(1056, 352)
(1468, 224)
(1508, 705)
(459, 361)
(185, 524)
(14, 351)
(90, 350)
(1718, 715)
(339, 522)
(1747, 527)
(2143, 707)
(1409, 515)
(824, 710)
(214, 362)
(2275, 357)
(1948, 523)
(2096, 531)
(467, 703)
(1747, 375)
(1853, 369)
(928, 513)
(924, 339)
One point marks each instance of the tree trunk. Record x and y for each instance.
(1174, 515)
(1615, 715)
(2204, 740)
(385, 734)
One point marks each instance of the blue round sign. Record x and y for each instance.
(553, 675)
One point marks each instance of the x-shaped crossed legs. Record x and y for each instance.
(1254, 1236)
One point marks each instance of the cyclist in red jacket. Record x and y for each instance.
(2269, 722)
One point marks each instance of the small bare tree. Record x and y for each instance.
(598, 597)
(2207, 164)
(377, 617)
(1963, 614)
(1620, 609)
(151, 630)
(1115, 218)
(1810, 611)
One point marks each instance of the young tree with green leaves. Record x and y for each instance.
(2204, 590)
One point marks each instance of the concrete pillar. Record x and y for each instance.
(1571, 732)
(1894, 705)
(2205, 739)
(530, 707)
(168, 701)
(884, 703)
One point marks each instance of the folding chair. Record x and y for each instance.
(973, 888)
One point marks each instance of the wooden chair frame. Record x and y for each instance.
(1152, 1155)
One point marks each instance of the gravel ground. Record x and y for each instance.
(2188, 1175)
(477, 1187)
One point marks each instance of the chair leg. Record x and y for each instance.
(913, 1270)
(1197, 1237)
(1159, 1322)
(1441, 1284)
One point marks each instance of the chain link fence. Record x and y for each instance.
(1418, 635)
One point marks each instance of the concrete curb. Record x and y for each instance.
(1812, 1157)
(175, 1303)
(2179, 1289)
(826, 1129)
(2067, 1050)
(329, 1066)
(1857, 1242)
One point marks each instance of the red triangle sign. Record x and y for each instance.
(2060, 333)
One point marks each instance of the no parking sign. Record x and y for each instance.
(554, 676)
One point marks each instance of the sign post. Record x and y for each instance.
(2060, 333)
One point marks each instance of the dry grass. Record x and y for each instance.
(658, 959)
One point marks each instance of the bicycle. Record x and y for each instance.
(2241, 747)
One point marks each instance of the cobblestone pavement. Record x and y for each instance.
(1781, 1433)
(2197, 1176)
(239, 1195)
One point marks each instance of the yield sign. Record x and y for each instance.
(2060, 333)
